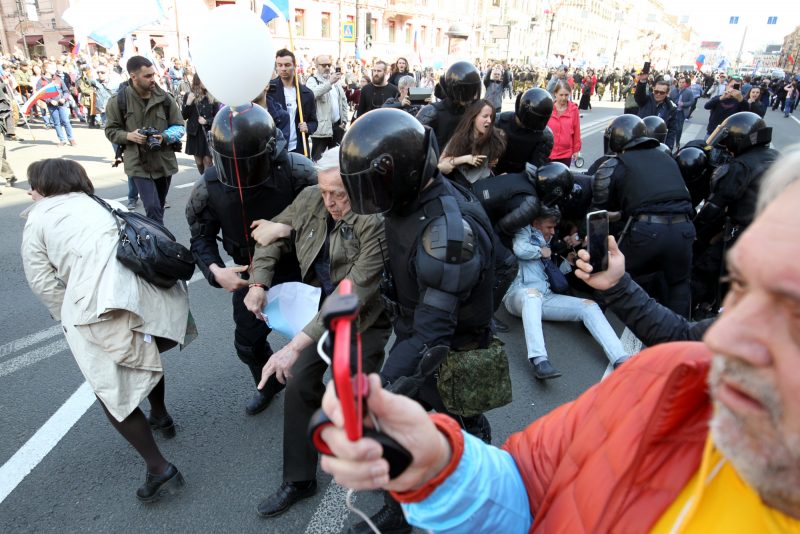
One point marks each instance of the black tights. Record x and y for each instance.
(136, 430)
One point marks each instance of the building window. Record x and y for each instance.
(423, 35)
(374, 28)
(299, 22)
(409, 34)
(326, 25)
(439, 37)
(392, 31)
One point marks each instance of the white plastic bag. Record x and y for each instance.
(291, 306)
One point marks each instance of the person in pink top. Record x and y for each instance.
(566, 127)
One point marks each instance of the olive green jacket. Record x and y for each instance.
(138, 160)
(354, 248)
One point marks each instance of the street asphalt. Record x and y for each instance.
(64, 468)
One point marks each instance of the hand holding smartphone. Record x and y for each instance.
(597, 237)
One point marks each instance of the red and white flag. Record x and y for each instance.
(45, 93)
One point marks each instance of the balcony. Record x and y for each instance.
(403, 8)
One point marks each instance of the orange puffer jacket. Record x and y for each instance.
(616, 458)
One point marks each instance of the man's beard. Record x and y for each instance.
(764, 454)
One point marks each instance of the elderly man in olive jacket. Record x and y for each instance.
(332, 243)
(149, 157)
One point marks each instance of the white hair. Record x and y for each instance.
(782, 174)
(406, 81)
(328, 161)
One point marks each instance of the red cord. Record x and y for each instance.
(241, 193)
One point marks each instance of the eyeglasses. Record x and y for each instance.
(659, 92)
(323, 65)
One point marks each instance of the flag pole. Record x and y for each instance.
(297, 88)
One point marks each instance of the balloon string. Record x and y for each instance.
(241, 192)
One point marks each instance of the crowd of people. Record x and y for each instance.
(438, 208)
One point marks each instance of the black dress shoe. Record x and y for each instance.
(156, 486)
(283, 499)
(544, 370)
(164, 425)
(258, 403)
(388, 520)
(499, 326)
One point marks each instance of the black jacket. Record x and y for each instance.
(647, 319)
(276, 98)
(722, 109)
(666, 110)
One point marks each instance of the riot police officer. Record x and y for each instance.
(440, 256)
(459, 87)
(657, 129)
(731, 204)
(253, 178)
(644, 185)
(696, 170)
(529, 139)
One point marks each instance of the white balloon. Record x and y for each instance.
(233, 54)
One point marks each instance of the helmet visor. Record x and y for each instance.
(244, 172)
(370, 190)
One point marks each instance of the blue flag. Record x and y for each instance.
(273, 9)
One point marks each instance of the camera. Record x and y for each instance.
(153, 144)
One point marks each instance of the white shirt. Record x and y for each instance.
(290, 95)
(335, 114)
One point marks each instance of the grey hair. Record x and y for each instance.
(406, 81)
(329, 160)
(780, 176)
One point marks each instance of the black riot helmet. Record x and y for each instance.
(385, 158)
(693, 163)
(462, 83)
(739, 132)
(553, 182)
(656, 128)
(533, 108)
(624, 132)
(242, 143)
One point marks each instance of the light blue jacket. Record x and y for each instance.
(528, 243)
(484, 494)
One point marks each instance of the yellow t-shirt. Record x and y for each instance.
(723, 502)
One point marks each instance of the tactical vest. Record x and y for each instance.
(756, 162)
(496, 193)
(650, 176)
(261, 202)
(522, 145)
(402, 237)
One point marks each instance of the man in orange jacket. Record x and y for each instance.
(685, 437)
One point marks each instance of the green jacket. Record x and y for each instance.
(354, 247)
(138, 160)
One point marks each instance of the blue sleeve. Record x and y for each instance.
(524, 247)
(174, 133)
(484, 494)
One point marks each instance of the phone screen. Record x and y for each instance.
(338, 69)
(646, 68)
(597, 232)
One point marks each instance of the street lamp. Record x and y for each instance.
(552, 14)
(616, 46)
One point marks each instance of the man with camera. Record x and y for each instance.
(658, 103)
(331, 105)
(147, 124)
(723, 106)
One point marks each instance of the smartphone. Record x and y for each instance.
(418, 95)
(338, 70)
(597, 233)
(737, 86)
(646, 68)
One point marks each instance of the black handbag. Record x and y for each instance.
(558, 282)
(148, 249)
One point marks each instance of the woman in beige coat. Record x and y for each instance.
(115, 323)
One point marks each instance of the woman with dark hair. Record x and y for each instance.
(399, 69)
(586, 93)
(116, 323)
(199, 108)
(475, 146)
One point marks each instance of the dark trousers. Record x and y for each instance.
(320, 145)
(666, 250)
(304, 392)
(153, 194)
(250, 341)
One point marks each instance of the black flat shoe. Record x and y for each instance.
(544, 370)
(156, 486)
(258, 403)
(499, 326)
(165, 426)
(283, 499)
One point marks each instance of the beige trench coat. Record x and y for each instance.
(109, 315)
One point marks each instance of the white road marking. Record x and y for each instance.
(42, 442)
(34, 356)
(795, 119)
(183, 186)
(332, 512)
(27, 341)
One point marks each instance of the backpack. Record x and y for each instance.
(122, 105)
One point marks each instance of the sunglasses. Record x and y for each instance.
(323, 65)
(659, 92)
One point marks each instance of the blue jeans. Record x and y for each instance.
(789, 107)
(133, 193)
(154, 194)
(60, 117)
(533, 306)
